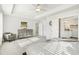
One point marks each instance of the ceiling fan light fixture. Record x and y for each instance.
(38, 9)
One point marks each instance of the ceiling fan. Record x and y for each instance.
(39, 7)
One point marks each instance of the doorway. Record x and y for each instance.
(68, 28)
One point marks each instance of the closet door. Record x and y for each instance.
(78, 27)
(1, 28)
(40, 29)
(37, 29)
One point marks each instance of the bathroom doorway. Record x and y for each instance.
(68, 28)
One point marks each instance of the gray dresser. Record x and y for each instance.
(24, 33)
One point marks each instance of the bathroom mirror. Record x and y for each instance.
(23, 24)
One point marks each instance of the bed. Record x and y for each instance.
(53, 48)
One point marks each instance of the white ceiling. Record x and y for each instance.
(28, 10)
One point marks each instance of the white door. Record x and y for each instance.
(78, 27)
(1, 29)
(40, 29)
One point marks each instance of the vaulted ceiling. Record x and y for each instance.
(29, 10)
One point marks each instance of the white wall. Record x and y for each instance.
(55, 22)
(78, 27)
(12, 24)
(50, 31)
(1, 27)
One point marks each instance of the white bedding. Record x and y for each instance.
(54, 48)
(63, 48)
(27, 41)
(33, 46)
